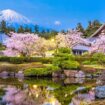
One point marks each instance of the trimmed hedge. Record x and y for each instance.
(65, 59)
(19, 60)
(87, 62)
(99, 57)
(41, 71)
(74, 65)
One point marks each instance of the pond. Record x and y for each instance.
(45, 91)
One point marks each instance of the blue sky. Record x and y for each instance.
(58, 14)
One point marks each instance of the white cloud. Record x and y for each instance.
(57, 23)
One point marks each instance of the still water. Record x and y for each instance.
(45, 91)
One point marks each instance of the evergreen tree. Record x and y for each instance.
(11, 29)
(43, 31)
(80, 27)
(3, 26)
(27, 29)
(63, 31)
(92, 27)
(36, 29)
(21, 29)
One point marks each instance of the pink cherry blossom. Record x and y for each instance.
(21, 44)
(99, 45)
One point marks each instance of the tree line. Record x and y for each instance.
(46, 33)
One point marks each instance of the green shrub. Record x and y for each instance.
(17, 60)
(85, 54)
(4, 59)
(70, 65)
(64, 50)
(100, 57)
(57, 61)
(65, 59)
(94, 62)
(41, 71)
(87, 62)
(65, 56)
(82, 59)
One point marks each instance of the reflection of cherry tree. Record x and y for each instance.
(28, 96)
(99, 45)
(32, 95)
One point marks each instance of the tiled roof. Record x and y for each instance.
(81, 47)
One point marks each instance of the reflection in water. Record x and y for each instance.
(42, 92)
(83, 98)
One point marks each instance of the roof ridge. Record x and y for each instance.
(103, 25)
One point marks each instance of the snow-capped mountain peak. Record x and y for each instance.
(12, 17)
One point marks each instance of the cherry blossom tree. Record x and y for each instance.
(41, 46)
(21, 44)
(70, 39)
(73, 37)
(98, 45)
(60, 40)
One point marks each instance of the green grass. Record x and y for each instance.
(95, 66)
(4, 66)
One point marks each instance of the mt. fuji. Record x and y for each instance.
(13, 18)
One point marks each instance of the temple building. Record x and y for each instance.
(79, 49)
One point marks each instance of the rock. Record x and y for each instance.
(57, 74)
(102, 76)
(19, 74)
(70, 73)
(100, 92)
(80, 74)
(4, 73)
(80, 80)
(88, 76)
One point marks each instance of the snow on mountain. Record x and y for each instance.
(13, 18)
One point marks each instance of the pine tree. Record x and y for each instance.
(63, 31)
(21, 29)
(92, 27)
(36, 29)
(11, 29)
(27, 29)
(3, 26)
(80, 27)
